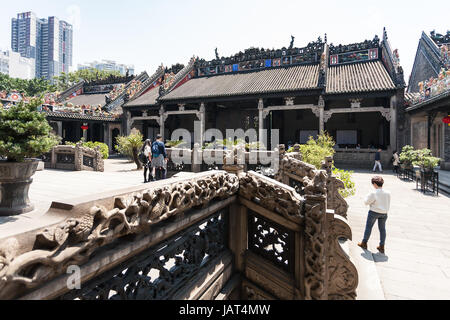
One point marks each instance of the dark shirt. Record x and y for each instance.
(162, 149)
(377, 156)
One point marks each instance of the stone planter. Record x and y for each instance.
(15, 181)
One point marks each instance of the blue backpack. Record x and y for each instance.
(155, 150)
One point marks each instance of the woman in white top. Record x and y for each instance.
(380, 203)
(396, 162)
(147, 150)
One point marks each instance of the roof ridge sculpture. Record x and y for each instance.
(147, 83)
(179, 76)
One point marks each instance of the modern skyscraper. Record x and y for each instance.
(48, 41)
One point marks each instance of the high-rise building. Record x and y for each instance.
(108, 65)
(16, 66)
(48, 41)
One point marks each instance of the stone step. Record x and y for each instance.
(369, 287)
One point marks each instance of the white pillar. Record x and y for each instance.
(261, 119)
(60, 129)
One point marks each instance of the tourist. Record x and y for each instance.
(378, 161)
(379, 202)
(146, 156)
(159, 158)
(396, 161)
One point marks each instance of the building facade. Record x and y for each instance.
(354, 92)
(108, 65)
(428, 97)
(48, 41)
(16, 66)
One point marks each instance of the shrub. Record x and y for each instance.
(175, 143)
(104, 149)
(346, 177)
(315, 151)
(25, 132)
(130, 145)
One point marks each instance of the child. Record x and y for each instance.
(379, 202)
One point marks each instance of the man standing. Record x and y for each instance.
(379, 202)
(159, 158)
(378, 161)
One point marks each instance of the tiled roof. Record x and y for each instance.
(88, 99)
(358, 77)
(78, 116)
(147, 99)
(411, 96)
(265, 81)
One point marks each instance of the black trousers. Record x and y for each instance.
(148, 167)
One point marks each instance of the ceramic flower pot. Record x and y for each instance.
(15, 181)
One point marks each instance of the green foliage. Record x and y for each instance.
(30, 88)
(126, 144)
(422, 157)
(315, 151)
(408, 156)
(425, 159)
(346, 177)
(104, 149)
(25, 132)
(66, 80)
(175, 143)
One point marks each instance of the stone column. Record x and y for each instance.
(60, 129)
(321, 115)
(261, 119)
(393, 123)
(202, 123)
(162, 122)
(106, 135)
(85, 132)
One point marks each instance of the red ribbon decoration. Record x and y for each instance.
(84, 127)
(446, 119)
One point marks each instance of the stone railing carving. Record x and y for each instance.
(24, 266)
(285, 245)
(294, 233)
(75, 158)
(299, 174)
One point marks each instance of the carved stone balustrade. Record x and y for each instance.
(298, 174)
(74, 158)
(213, 235)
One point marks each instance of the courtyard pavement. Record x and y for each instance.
(417, 260)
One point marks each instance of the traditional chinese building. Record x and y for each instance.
(93, 109)
(352, 91)
(428, 97)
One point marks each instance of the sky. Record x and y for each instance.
(147, 33)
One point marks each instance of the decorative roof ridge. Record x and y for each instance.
(394, 59)
(147, 83)
(70, 90)
(434, 47)
(179, 76)
(357, 46)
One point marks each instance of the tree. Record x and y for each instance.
(66, 80)
(130, 146)
(25, 132)
(31, 88)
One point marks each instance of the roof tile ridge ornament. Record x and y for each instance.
(394, 56)
(147, 83)
(61, 97)
(179, 76)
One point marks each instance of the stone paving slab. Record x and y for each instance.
(416, 264)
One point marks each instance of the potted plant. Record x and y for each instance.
(407, 157)
(426, 161)
(24, 134)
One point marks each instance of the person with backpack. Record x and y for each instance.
(145, 156)
(159, 158)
